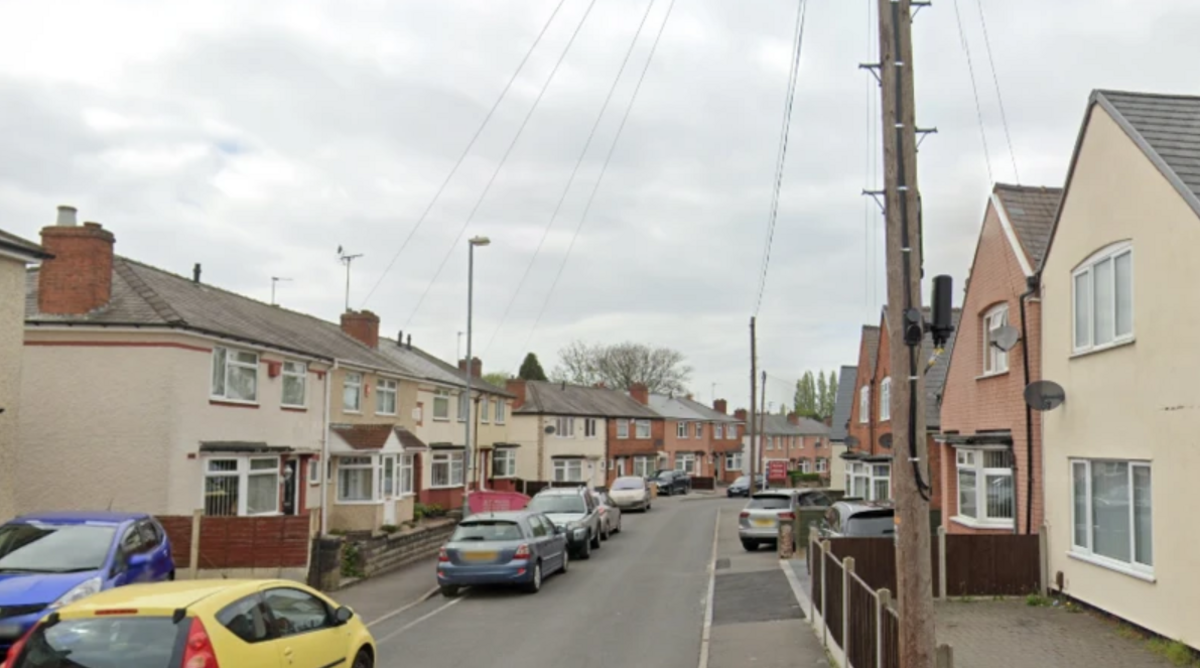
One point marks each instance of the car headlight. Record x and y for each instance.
(79, 591)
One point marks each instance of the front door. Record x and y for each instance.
(291, 475)
(389, 489)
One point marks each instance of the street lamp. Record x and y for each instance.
(469, 459)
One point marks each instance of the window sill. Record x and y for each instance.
(350, 412)
(385, 414)
(982, 524)
(504, 477)
(294, 409)
(358, 503)
(1099, 349)
(438, 419)
(445, 487)
(1119, 567)
(233, 403)
(314, 483)
(992, 374)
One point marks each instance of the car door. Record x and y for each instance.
(154, 542)
(308, 636)
(244, 637)
(127, 569)
(540, 535)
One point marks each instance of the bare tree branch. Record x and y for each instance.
(621, 365)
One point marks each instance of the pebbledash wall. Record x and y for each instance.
(12, 315)
(115, 419)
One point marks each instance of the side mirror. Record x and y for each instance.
(137, 560)
(343, 615)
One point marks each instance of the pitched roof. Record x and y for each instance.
(146, 296)
(775, 424)
(935, 376)
(1030, 210)
(13, 243)
(847, 378)
(682, 408)
(547, 398)
(375, 436)
(430, 367)
(870, 340)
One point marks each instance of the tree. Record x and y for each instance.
(496, 378)
(531, 369)
(822, 396)
(619, 366)
(833, 392)
(805, 400)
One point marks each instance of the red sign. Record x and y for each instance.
(492, 501)
(777, 470)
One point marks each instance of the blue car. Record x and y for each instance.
(52, 559)
(518, 548)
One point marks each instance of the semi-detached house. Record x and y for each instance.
(697, 439)
(801, 443)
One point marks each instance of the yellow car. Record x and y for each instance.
(199, 624)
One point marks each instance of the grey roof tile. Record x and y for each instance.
(547, 398)
(1169, 125)
(775, 424)
(12, 242)
(847, 377)
(430, 367)
(870, 339)
(935, 377)
(682, 408)
(1031, 211)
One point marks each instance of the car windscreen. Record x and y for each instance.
(878, 523)
(487, 530)
(50, 548)
(552, 504)
(628, 483)
(742, 481)
(770, 502)
(101, 642)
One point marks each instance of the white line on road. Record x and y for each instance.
(706, 633)
(424, 597)
(416, 621)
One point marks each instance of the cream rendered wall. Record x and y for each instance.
(525, 431)
(406, 399)
(593, 448)
(1138, 401)
(12, 332)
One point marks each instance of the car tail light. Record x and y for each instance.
(199, 651)
(15, 650)
(745, 514)
(522, 552)
(442, 556)
(787, 515)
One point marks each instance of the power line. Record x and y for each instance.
(500, 165)
(797, 44)
(974, 90)
(603, 168)
(467, 150)
(570, 181)
(999, 98)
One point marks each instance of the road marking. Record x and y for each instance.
(416, 621)
(424, 597)
(706, 633)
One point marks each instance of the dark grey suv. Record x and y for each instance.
(573, 510)
(671, 483)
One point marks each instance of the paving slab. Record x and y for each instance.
(375, 597)
(780, 644)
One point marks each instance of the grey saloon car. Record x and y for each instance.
(517, 548)
(859, 519)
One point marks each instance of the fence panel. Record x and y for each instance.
(891, 639)
(833, 591)
(861, 649)
(874, 559)
(992, 565)
(816, 568)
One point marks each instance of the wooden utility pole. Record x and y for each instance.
(910, 470)
(762, 428)
(753, 390)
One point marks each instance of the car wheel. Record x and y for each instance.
(596, 538)
(449, 591)
(750, 545)
(363, 659)
(535, 585)
(171, 576)
(566, 562)
(606, 533)
(585, 550)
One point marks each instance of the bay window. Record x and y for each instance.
(356, 479)
(385, 397)
(447, 469)
(995, 360)
(504, 463)
(1111, 514)
(985, 487)
(686, 462)
(240, 486)
(352, 392)
(643, 466)
(1103, 299)
(568, 470)
(869, 481)
(234, 375)
(295, 375)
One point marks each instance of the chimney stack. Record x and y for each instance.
(640, 393)
(400, 338)
(410, 341)
(740, 414)
(78, 279)
(362, 325)
(196, 273)
(476, 367)
(720, 406)
(516, 386)
(792, 418)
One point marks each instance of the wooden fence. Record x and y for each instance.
(199, 542)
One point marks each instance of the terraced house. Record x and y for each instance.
(696, 438)
(802, 443)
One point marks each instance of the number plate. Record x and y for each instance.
(763, 522)
(479, 556)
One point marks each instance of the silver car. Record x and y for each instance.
(610, 515)
(630, 493)
(758, 522)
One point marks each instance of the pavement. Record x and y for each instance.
(669, 591)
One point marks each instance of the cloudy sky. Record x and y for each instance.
(257, 137)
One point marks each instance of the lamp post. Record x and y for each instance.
(469, 459)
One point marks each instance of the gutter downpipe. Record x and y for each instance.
(1032, 282)
(326, 464)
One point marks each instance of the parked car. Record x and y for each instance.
(741, 486)
(610, 514)
(758, 523)
(630, 493)
(575, 511)
(51, 560)
(266, 623)
(516, 547)
(858, 519)
(671, 483)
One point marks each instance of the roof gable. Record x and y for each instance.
(1027, 215)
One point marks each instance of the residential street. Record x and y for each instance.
(639, 601)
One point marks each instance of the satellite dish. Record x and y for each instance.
(1005, 338)
(851, 442)
(549, 429)
(885, 441)
(1045, 395)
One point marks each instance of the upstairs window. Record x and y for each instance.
(499, 405)
(1103, 299)
(484, 409)
(295, 376)
(564, 427)
(622, 429)
(234, 375)
(995, 360)
(864, 404)
(699, 429)
(441, 405)
(464, 406)
(681, 429)
(385, 397)
(643, 429)
(718, 431)
(885, 400)
(352, 392)
(589, 428)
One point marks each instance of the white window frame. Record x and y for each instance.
(1084, 552)
(314, 471)
(297, 372)
(243, 473)
(564, 469)
(686, 462)
(226, 358)
(972, 461)
(822, 465)
(864, 404)
(359, 463)
(681, 430)
(385, 387)
(406, 476)
(564, 427)
(1086, 270)
(642, 429)
(464, 406)
(499, 411)
(485, 409)
(589, 428)
(733, 461)
(504, 463)
(644, 465)
(441, 398)
(995, 360)
(623, 429)
(885, 399)
(731, 431)
(352, 379)
(805, 466)
(718, 431)
(453, 461)
(698, 429)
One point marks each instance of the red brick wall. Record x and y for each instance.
(972, 403)
(241, 542)
(362, 325)
(866, 376)
(79, 277)
(630, 447)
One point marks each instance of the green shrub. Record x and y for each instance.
(389, 528)
(1036, 600)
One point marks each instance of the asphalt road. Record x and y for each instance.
(639, 601)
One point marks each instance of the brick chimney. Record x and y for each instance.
(640, 393)
(793, 418)
(78, 279)
(721, 407)
(476, 367)
(362, 325)
(828, 421)
(516, 386)
(740, 414)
